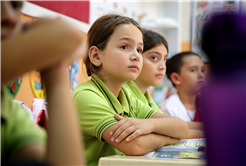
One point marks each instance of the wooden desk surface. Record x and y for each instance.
(148, 161)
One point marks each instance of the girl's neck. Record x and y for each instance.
(113, 86)
(188, 100)
(143, 88)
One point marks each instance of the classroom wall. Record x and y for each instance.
(186, 26)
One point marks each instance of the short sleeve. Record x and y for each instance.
(164, 108)
(95, 114)
(20, 131)
(173, 106)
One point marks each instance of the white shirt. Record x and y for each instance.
(174, 107)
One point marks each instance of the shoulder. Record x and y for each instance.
(17, 128)
(174, 96)
(86, 91)
(172, 100)
(12, 111)
(84, 87)
(129, 94)
(172, 103)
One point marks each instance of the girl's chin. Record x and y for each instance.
(131, 78)
(156, 83)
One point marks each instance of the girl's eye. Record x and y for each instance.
(16, 4)
(140, 51)
(124, 47)
(192, 70)
(154, 58)
(203, 70)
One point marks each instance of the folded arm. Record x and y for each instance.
(131, 128)
(141, 144)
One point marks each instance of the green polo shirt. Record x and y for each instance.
(145, 98)
(17, 128)
(96, 106)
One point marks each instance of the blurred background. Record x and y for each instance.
(180, 22)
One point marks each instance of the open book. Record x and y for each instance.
(186, 148)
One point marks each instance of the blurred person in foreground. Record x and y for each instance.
(224, 98)
(49, 45)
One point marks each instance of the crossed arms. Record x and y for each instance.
(139, 136)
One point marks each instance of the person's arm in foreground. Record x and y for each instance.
(44, 43)
(64, 138)
(44, 46)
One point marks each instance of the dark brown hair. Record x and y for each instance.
(175, 63)
(152, 39)
(100, 32)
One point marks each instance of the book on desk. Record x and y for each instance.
(186, 148)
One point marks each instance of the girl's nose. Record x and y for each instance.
(162, 66)
(135, 57)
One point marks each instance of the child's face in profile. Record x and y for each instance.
(10, 18)
(122, 57)
(154, 67)
(192, 74)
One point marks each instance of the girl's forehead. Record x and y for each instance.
(128, 31)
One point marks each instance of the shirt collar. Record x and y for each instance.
(149, 98)
(135, 89)
(120, 106)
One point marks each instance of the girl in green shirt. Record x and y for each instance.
(110, 116)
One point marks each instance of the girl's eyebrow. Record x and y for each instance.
(129, 39)
(154, 52)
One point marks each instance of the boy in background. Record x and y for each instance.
(186, 71)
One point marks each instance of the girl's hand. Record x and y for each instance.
(129, 128)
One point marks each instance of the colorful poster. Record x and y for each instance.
(73, 75)
(14, 86)
(201, 12)
(37, 84)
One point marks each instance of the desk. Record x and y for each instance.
(148, 161)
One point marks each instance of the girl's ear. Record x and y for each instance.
(175, 78)
(94, 56)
